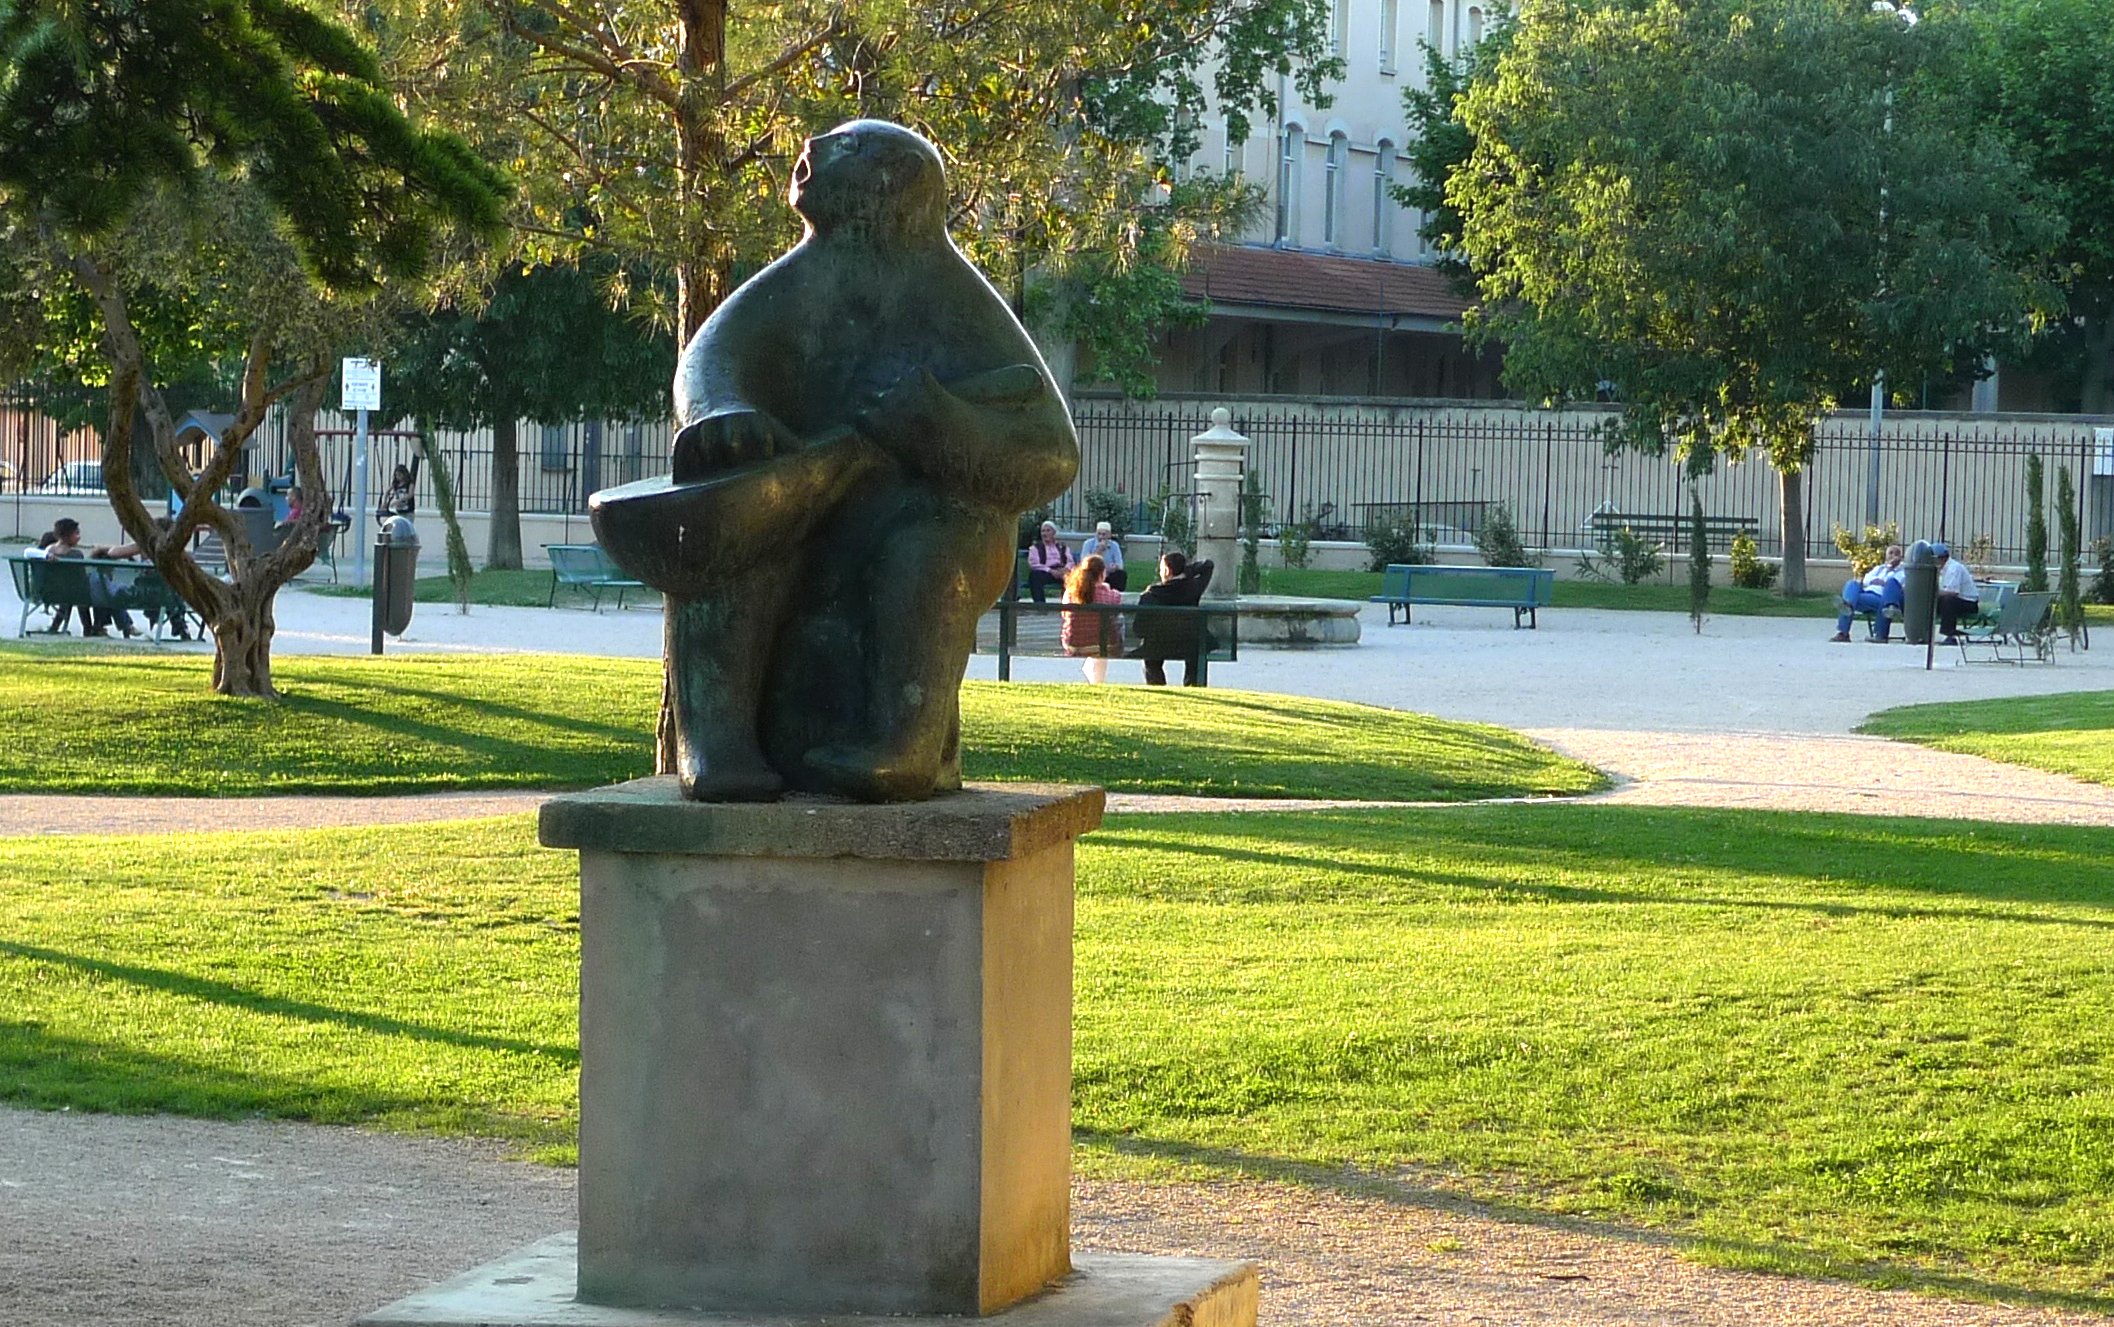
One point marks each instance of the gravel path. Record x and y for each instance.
(1809, 772)
(124, 1221)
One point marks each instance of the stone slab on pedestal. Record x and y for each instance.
(533, 1287)
(825, 1049)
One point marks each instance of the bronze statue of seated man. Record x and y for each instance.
(860, 426)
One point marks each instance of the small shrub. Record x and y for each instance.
(1111, 505)
(1295, 541)
(1174, 521)
(2103, 583)
(1031, 524)
(1626, 556)
(1393, 538)
(1498, 540)
(1980, 555)
(1748, 570)
(1867, 550)
(1255, 509)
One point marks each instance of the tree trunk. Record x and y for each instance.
(2097, 396)
(1792, 485)
(242, 644)
(701, 274)
(503, 540)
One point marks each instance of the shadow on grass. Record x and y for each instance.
(235, 997)
(1552, 893)
(44, 1071)
(1506, 848)
(1754, 1255)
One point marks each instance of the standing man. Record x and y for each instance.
(1105, 546)
(1880, 593)
(1958, 595)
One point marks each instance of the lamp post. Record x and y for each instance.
(1871, 483)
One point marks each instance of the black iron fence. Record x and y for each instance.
(1940, 477)
(1445, 465)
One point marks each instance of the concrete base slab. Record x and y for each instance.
(1287, 622)
(533, 1287)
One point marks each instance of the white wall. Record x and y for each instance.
(1366, 109)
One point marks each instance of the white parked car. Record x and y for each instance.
(75, 477)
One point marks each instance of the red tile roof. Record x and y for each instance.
(1287, 278)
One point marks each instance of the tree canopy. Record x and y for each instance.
(664, 131)
(102, 101)
(1732, 211)
(227, 182)
(2044, 74)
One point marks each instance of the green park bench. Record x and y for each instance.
(586, 568)
(1521, 589)
(1672, 528)
(2022, 623)
(53, 584)
(1201, 636)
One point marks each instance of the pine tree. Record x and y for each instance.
(2069, 600)
(2036, 528)
(1698, 562)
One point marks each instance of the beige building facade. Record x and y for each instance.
(1332, 292)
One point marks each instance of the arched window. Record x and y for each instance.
(1288, 154)
(1383, 199)
(1435, 27)
(1389, 11)
(1475, 26)
(1332, 192)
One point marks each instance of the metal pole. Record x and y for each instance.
(359, 501)
(1871, 479)
(380, 595)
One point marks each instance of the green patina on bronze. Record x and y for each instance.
(860, 426)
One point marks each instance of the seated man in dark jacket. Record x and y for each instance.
(1164, 636)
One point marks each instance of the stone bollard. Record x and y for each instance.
(1221, 464)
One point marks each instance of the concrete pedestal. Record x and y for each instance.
(825, 1074)
(825, 1048)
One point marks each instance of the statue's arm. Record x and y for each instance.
(1001, 438)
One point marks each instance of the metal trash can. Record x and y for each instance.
(395, 577)
(1919, 593)
(257, 523)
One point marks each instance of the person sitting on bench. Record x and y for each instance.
(1958, 595)
(1878, 593)
(1164, 636)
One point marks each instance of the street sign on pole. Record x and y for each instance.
(362, 392)
(363, 384)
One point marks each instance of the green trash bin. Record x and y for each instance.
(1919, 593)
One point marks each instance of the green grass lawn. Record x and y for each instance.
(1653, 597)
(2071, 733)
(1807, 1043)
(87, 720)
(499, 589)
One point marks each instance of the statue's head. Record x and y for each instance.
(872, 175)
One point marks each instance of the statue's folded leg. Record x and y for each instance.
(721, 648)
(917, 647)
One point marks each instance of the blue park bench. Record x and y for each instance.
(585, 567)
(1521, 589)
